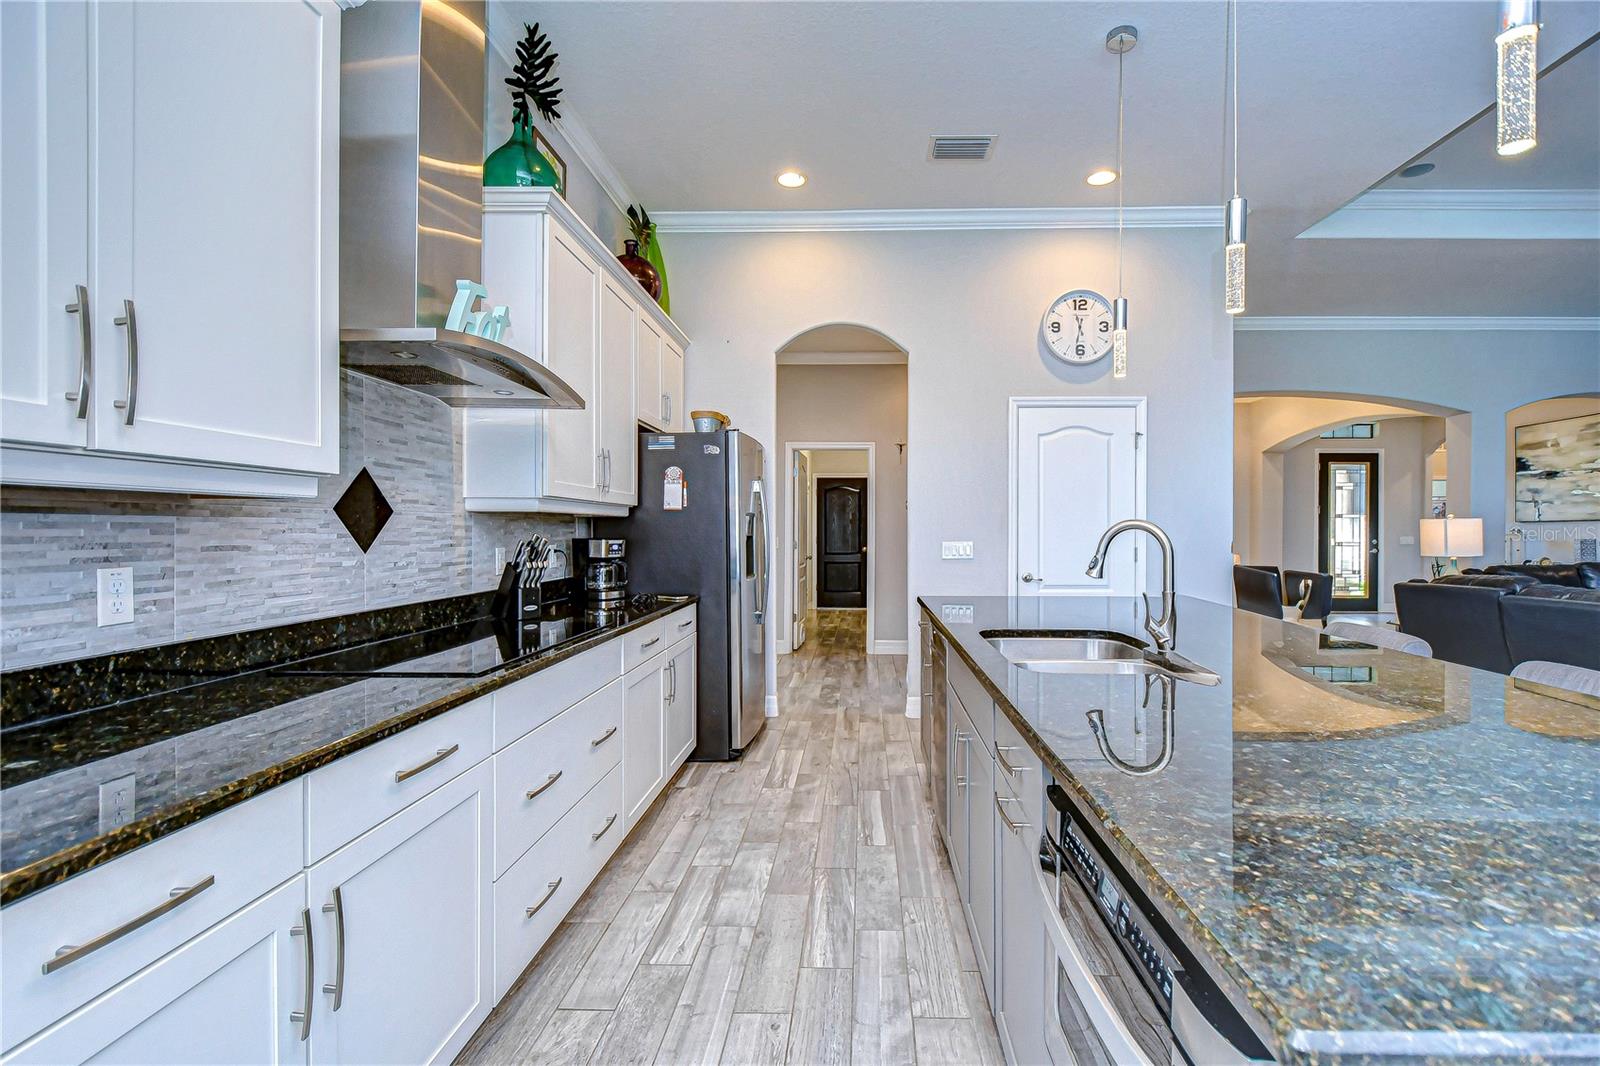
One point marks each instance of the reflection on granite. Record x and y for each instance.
(1379, 869)
(215, 741)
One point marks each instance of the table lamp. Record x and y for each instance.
(1451, 537)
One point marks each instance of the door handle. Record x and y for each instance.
(438, 757)
(302, 1017)
(533, 793)
(85, 350)
(1029, 579)
(127, 405)
(336, 908)
(71, 953)
(549, 890)
(999, 754)
(999, 805)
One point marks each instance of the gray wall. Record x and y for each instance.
(1485, 373)
(853, 403)
(207, 566)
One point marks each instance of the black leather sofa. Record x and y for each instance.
(1573, 575)
(1495, 621)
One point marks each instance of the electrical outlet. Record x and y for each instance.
(116, 802)
(114, 595)
(499, 559)
(956, 612)
(956, 549)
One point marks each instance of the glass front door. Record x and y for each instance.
(1347, 511)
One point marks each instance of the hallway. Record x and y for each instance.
(792, 907)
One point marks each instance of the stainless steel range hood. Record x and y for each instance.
(411, 106)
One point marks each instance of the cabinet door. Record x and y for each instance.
(44, 221)
(618, 435)
(572, 438)
(672, 386)
(649, 387)
(1020, 994)
(980, 858)
(225, 996)
(643, 736)
(680, 697)
(407, 939)
(961, 744)
(216, 139)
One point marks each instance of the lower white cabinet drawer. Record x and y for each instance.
(127, 913)
(540, 777)
(539, 889)
(225, 996)
(346, 798)
(527, 704)
(1017, 770)
(642, 643)
(680, 624)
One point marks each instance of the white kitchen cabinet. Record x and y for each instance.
(980, 889)
(572, 452)
(680, 723)
(643, 736)
(962, 741)
(1020, 976)
(228, 995)
(403, 931)
(619, 444)
(210, 269)
(677, 419)
(651, 397)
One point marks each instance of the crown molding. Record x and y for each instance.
(978, 218)
(1336, 323)
(1465, 214)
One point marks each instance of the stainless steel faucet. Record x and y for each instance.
(1162, 630)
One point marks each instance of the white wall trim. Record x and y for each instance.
(913, 706)
(841, 358)
(772, 706)
(1471, 214)
(888, 647)
(981, 218)
(790, 570)
(1290, 323)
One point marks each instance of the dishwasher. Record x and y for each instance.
(1121, 987)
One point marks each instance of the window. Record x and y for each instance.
(1354, 431)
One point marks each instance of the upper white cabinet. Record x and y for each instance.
(677, 419)
(576, 309)
(190, 186)
(660, 388)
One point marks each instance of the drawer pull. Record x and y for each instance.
(999, 754)
(603, 737)
(71, 953)
(533, 793)
(336, 908)
(999, 805)
(650, 643)
(302, 1017)
(550, 890)
(686, 623)
(602, 830)
(438, 757)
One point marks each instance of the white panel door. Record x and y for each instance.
(680, 700)
(1020, 969)
(643, 736)
(1076, 473)
(225, 996)
(650, 390)
(672, 387)
(216, 220)
(407, 940)
(44, 222)
(572, 350)
(618, 427)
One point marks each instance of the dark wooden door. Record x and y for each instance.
(842, 541)
(1347, 524)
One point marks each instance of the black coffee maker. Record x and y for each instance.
(605, 574)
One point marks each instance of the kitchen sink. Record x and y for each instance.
(1085, 652)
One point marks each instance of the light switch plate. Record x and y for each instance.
(116, 802)
(956, 612)
(957, 549)
(114, 595)
(1408, 540)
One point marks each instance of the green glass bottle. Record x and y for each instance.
(519, 162)
(652, 252)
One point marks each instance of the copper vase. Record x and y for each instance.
(640, 268)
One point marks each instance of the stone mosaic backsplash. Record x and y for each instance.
(205, 566)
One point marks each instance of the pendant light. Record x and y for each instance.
(1233, 251)
(1120, 41)
(1516, 77)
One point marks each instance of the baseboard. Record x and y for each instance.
(913, 706)
(889, 647)
(772, 706)
(784, 647)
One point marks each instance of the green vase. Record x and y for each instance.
(519, 162)
(652, 252)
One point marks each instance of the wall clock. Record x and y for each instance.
(1077, 327)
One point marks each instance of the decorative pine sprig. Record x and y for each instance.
(531, 80)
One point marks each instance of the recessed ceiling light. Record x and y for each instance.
(503, 392)
(791, 179)
(1103, 176)
(1416, 170)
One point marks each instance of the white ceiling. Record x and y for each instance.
(698, 105)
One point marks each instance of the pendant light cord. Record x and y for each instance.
(1122, 177)
(1233, 40)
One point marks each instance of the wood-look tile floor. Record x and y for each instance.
(792, 907)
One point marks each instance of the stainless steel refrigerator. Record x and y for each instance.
(701, 526)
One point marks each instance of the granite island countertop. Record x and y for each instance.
(210, 723)
(1387, 857)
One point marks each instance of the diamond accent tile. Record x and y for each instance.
(363, 510)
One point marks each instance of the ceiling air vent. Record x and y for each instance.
(970, 148)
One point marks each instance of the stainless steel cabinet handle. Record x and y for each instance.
(686, 623)
(999, 805)
(336, 908)
(127, 319)
(302, 1017)
(650, 643)
(438, 757)
(550, 890)
(603, 737)
(70, 953)
(999, 755)
(85, 350)
(602, 830)
(552, 779)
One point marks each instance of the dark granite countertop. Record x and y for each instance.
(1386, 857)
(208, 724)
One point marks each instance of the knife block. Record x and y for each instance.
(514, 601)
